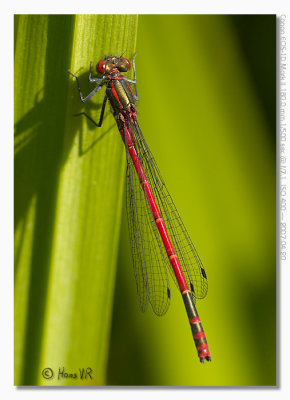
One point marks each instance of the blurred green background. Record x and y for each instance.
(207, 89)
(207, 110)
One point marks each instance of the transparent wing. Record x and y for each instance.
(190, 262)
(149, 256)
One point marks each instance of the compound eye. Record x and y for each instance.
(127, 63)
(101, 67)
(124, 64)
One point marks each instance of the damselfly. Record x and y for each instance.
(159, 240)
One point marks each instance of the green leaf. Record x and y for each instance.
(68, 196)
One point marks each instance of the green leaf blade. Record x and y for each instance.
(69, 188)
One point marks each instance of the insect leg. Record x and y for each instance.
(90, 95)
(134, 82)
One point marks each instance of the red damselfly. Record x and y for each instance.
(159, 240)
